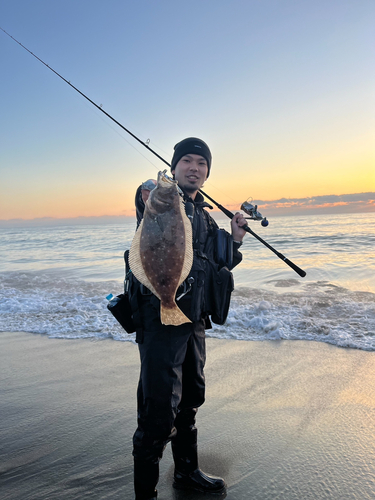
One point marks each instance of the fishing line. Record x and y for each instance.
(108, 124)
(125, 139)
(223, 209)
(221, 191)
(85, 96)
(99, 107)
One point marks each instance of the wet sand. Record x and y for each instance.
(282, 421)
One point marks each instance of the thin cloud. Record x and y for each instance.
(327, 204)
(345, 203)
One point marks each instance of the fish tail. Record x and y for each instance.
(172, 316)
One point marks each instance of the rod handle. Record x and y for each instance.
(295, 268)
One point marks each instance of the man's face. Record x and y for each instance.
(191, 172)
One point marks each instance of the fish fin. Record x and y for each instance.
(172, 316)
(135, 261)
(189, 253)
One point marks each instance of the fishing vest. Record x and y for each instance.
(196, 296)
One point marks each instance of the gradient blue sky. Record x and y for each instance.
(282, 91)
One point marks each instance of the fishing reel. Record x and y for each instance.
(252, 211)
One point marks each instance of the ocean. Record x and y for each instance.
(54, 281)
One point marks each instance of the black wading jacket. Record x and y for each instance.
(210, 244)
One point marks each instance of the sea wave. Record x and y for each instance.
(323, 312)
(69, 308)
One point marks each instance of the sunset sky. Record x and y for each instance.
(281, 90)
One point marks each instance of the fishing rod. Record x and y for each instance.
(85, 96)
(229, 214)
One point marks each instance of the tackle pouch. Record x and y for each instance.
(223, 248)
(120, 306)
(222, 286)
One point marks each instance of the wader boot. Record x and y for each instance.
(187, 475)
(146, 476)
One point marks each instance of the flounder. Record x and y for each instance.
(161, 253)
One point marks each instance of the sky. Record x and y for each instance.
(281, 90)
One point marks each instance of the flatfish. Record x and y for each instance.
(161, 253)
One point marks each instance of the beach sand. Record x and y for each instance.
(287, 420)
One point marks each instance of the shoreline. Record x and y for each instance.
(288, 420)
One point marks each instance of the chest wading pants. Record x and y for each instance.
(171, 388)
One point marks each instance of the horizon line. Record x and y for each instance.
(323, 204)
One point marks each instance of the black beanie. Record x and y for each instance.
(191, 145)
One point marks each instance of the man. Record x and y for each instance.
(171, 385)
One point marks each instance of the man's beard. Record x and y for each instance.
(190, 189)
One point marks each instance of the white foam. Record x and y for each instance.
(67, 308)
(323, 313)
(63, 308)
